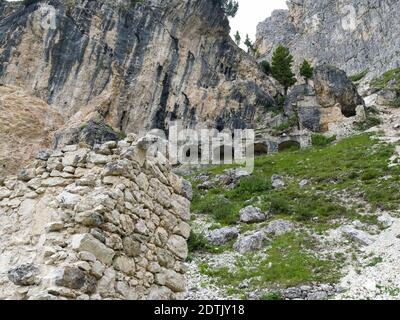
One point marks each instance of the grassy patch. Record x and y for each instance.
(359, 76)
(319, 140)
(288, 263)
(197, 242)
(355, 166)
(384, 82)
(370, 121)
(286, 126)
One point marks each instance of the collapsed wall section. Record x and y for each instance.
(102, 223)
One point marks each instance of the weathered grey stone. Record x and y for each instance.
(319, 295)
(68, 200)
(332, 87)
(357, 235)
(132, 247)
(73, 158)
(187, 190)
(386, 220)
(222, 236)
(89, 219)
(86, 242)
(24, 275)
(175, 281)
(277, 182)
(125, 264)
(54, 226)
(252, 214)
(251, 243)
(87, 256)
(116, 168)
(27, 174)
(43, 155)
(303, 183)
(178, 246)
(279, 227)
(160, 293)
(4, 193)
(70, 277)
(206, 185)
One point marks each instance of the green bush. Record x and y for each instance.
(370, 121)
(319, 140)
(197, 242)
(250, 187)
(265, 67)
(221, 208)
(279, 205)
(370, 174)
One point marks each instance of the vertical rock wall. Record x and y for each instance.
(353, 35)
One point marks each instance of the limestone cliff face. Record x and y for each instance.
(133, 66)
(354, 35)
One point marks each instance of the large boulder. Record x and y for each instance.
(279, 227)
(251, 242)
(222, 236)
(252, 214)
(333, 87)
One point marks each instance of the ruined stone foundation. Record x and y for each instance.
(102, 223)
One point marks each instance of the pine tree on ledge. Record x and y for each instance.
(306, 71)
(281, 67)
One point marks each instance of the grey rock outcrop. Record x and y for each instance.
(252, 214)
(251, 242)
(355, 35)
(330, 98)
(279, 227)
(133, 66)
(357, 235)
(277, 182)
(332, 87)
(222, 236)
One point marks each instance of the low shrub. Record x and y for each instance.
(319, 140)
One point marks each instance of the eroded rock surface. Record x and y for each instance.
(134, 66)
(27, 124)
(355, 35)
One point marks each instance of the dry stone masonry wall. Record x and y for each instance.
(102, 223)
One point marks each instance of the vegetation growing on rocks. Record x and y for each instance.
(324, 186)
(389, 80)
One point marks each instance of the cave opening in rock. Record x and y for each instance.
(289, 145)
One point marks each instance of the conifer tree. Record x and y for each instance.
(281, 67)
(306, 70)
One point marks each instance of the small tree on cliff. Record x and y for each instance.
(238, 38)
(230, 7)
(265, 67)
(306, 71)
(248, 43)
(281, 67)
